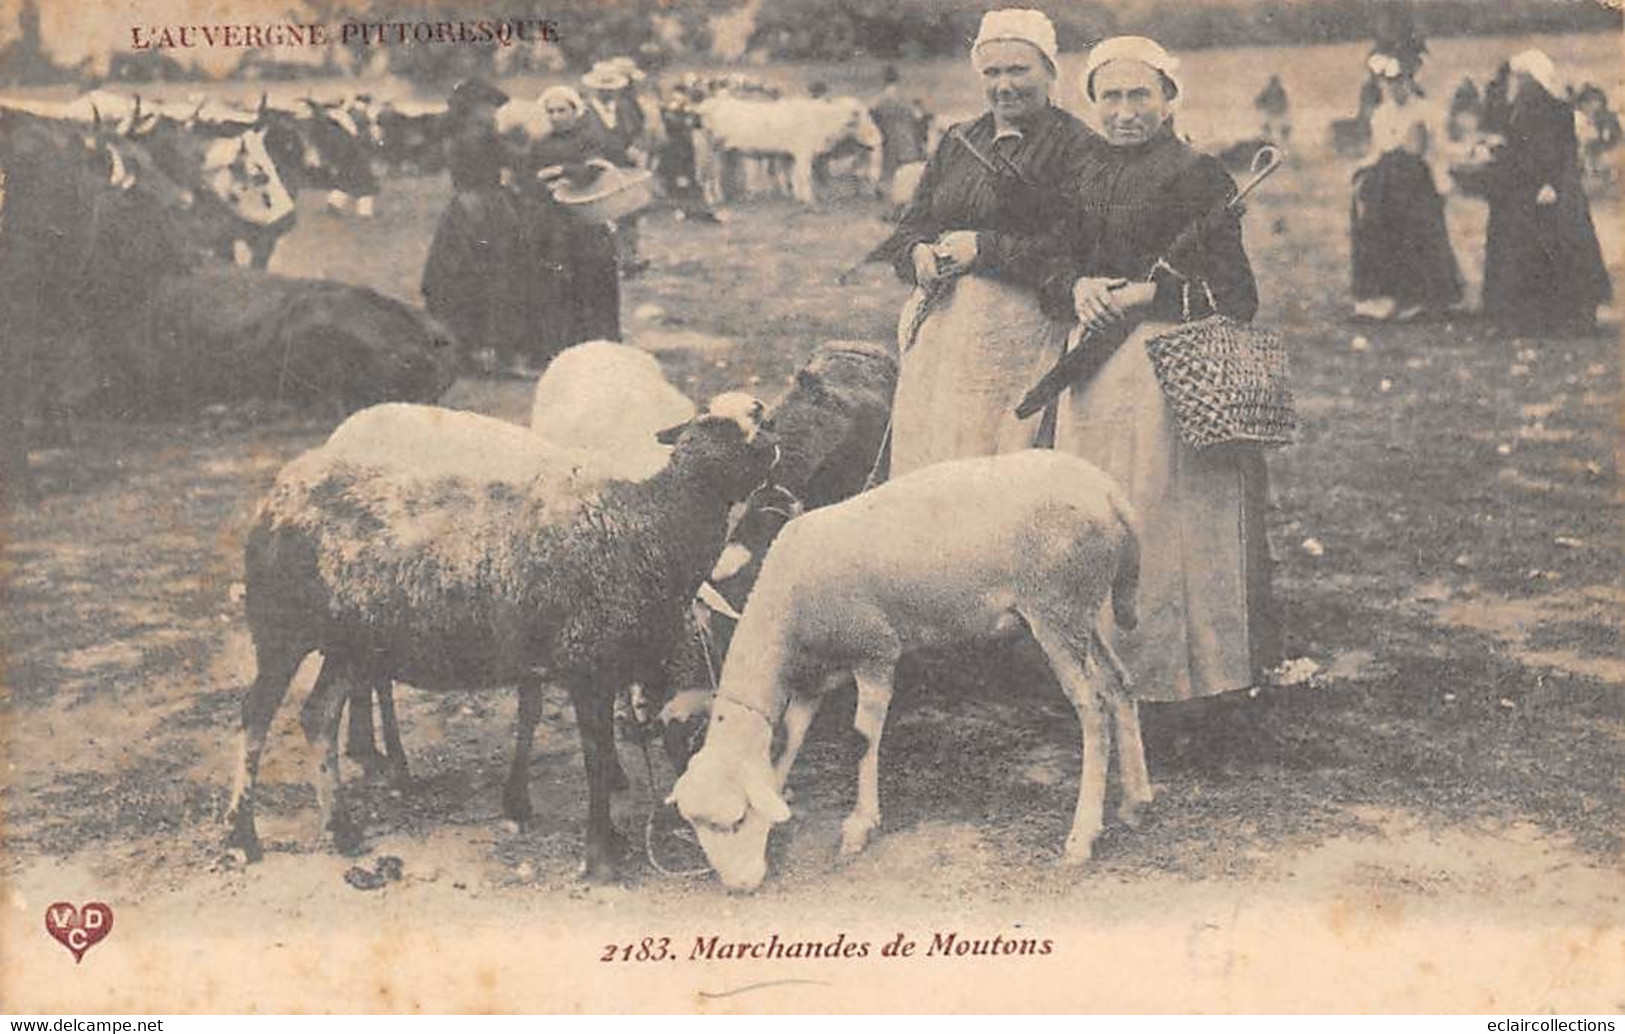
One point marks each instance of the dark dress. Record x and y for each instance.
(476, 255)
(1208, 621)
(901, 141)
(1543, 267)
(575, 288)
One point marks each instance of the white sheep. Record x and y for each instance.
(610, 399)
(444, 578)
(956, 551)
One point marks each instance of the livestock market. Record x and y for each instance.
(1186, 437)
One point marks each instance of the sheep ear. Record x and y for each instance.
(765, 799)
(670, 435)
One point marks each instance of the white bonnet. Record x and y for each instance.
(1019, 23)
(1535, 64)
(1131, 48)
(562, 93)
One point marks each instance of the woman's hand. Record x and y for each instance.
(1095, 302)
(956, 251)
(1547, 195)
(925, 264)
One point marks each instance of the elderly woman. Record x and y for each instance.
(1543, 267)
(1206, 625)
(972, 241)
(1403, 265)
(577, 293)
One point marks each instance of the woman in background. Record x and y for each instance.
(1403, 265)
(1543, 267)
(576, 293)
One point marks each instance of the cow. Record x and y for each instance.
(411, 137)
(790, 135)
(322, 147)
(239, 194)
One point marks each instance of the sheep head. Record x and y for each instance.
(732, 442)
(730, 797)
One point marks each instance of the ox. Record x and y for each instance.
(323, 147)
(240, 196)
(797, 132)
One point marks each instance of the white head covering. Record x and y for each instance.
(603, 78)
(567, 94)
(1535, 64)
(1131, 48)
(1022, 24)
(1384, 66)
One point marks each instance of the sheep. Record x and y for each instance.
(832, 428)
(606, 400)
(467, 579)
(960, 550)
(611, 399)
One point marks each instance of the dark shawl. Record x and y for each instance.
(1126, 211)
(1012, 224)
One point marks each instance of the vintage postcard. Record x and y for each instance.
(760, 506)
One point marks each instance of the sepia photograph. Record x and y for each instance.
(811, 506)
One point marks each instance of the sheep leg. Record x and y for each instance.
(1088, 819)
(1137, 790)
(359, 744)
(874, 698)
(260, 703)
(320, 720)
(798, 716)
(516, 795)
(595, 718)
(398, 772)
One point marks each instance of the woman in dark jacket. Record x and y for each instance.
(576, 293)
(1207, 619)
(476, 257)
(1543, 267)
(973, 242)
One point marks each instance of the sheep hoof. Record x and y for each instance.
(1133, 813)
(855, 834)
(597, 870)
(516, 806)
(243, 845)
(1079, 850)
(373, 765)
(347, 838)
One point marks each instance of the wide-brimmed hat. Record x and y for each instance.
(603, 78)
(476, 91)
(624, 65)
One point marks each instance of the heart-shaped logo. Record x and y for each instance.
(79, 929)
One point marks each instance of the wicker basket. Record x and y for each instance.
(613, 194)
(1226, 383)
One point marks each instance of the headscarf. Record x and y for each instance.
(1132, 48)
(1018, 23)
(567, 94)
(1536, 65)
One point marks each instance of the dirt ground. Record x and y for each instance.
(1431, 824)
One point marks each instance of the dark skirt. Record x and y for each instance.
(572, 281)
(469, 282)
(1401, 249)
(1543, 267)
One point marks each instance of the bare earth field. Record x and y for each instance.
(1433, 824)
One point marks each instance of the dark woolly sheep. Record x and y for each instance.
(394, 570)
(832, 427)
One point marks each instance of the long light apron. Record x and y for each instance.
(1203, 576)
(977, 352)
